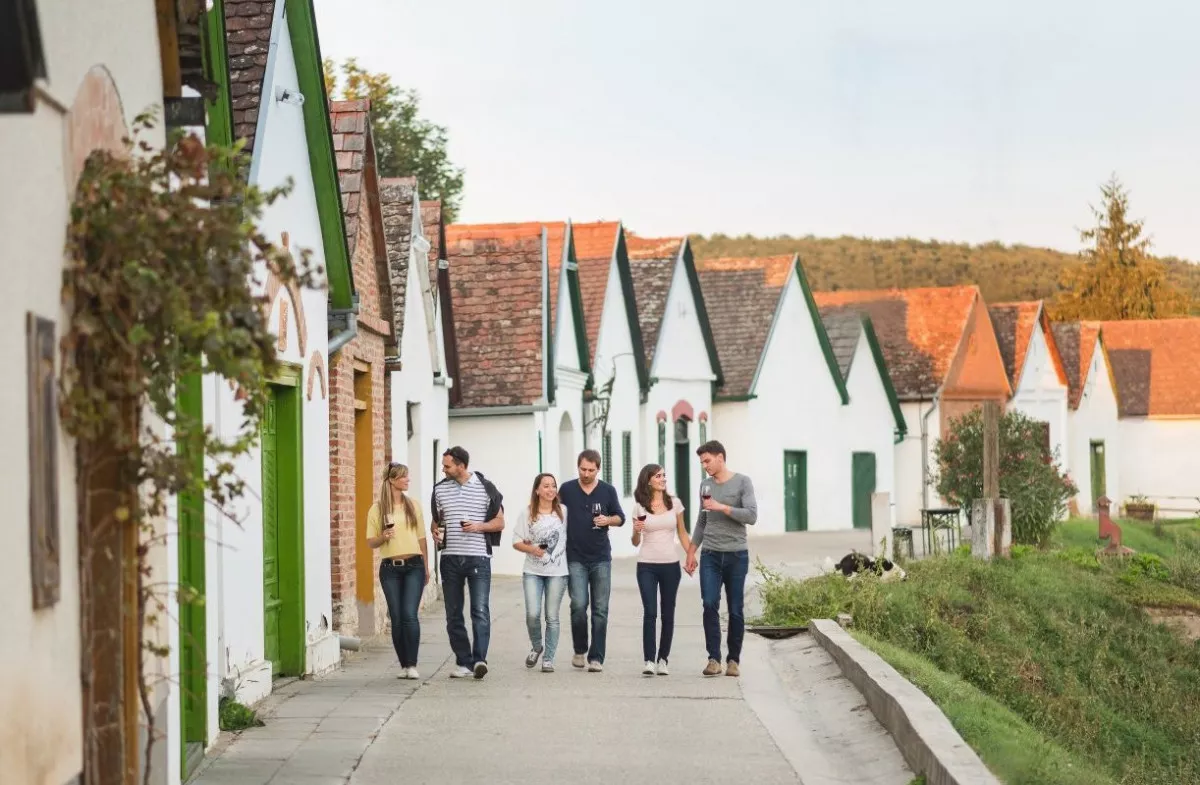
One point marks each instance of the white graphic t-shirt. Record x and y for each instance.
(550, 532)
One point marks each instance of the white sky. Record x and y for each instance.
(926, 118)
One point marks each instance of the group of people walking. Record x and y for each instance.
(564, 533)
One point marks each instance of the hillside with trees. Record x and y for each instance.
(1003, 272)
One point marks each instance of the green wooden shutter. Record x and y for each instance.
(795, 491)
(862, 472)
(703, 431)
(627, 462)
(662, 443)
(606, 458)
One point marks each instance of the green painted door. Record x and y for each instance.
(683, 471)
(1098, 474)
(283, 531)
(193, 665)
(863, 478)
(795, 490)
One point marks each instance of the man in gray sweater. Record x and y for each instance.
(727, 500)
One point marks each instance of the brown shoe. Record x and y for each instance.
(731, 669)
(713, 668)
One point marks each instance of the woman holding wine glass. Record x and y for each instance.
(658, 525)
(541, 534)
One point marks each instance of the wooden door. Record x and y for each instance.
(863, 485)
(683, 472)
(193, 667)
(795, 490)
(1099, 484)
(272, 600)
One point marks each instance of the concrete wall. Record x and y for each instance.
(1042, 395)
(40, 696)
(1096, 420)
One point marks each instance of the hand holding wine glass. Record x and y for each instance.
(639, 520)
(597, 512)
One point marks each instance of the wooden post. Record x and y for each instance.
(991, 450)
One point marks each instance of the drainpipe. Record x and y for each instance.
(925, 449)
(344, 324)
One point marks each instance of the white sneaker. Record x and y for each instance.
(662, 668)
(648, 670)
(579, 661)
(595, 667)
(412, 673)
(461, 672)
(547, 666)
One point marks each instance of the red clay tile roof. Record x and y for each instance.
(594, 246)
(776, 268)
(396, 205)
(1076, 342)
(651, 247)
(496, 294)
(919, 330)
(1156, 366)
(431, 221)
(741, 301)
(247, 41)
(351, 125)
(652, 265)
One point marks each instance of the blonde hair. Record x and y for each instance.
(395, 471)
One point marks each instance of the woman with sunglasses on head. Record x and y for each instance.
(658, 524)
(396, 528)
(541, 534)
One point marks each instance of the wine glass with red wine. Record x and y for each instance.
(597, 509)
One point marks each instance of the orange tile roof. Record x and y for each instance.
(776, 269)
(1076, 343)
(1156, 366)
(651, 247)
(496, 295)
(919, 330)
(594, 246)
(1014, 323)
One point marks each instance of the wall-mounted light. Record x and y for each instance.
(286, 96)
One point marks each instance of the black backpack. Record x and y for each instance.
(494, 508)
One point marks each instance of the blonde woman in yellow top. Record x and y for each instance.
(396, 528)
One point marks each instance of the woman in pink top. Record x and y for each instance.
(658, 520)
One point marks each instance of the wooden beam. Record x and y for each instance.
(168, 48)
(991, 450)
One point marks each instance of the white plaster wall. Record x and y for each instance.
(39, 651)
(1042, 396)
(504, 448)
(869, 425)
(614, 355)
(415, 383)
(797, 408)
(1160, 459)
(1096, 419)
(910, 495)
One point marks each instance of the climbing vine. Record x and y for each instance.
(163, 279)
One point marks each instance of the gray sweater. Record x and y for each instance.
(720, 532)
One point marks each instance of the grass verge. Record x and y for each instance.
(1058, 639)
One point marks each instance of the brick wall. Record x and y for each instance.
(368, 346)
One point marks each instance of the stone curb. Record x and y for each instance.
(925, 737)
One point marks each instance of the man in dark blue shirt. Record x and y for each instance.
(592, 507)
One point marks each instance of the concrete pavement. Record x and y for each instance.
(791, 718)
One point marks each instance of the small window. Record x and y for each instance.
(627, 462)
(606, 458)
(662, 443)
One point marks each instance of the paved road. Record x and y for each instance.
(791, 718)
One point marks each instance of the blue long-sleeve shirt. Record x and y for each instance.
(585, 543)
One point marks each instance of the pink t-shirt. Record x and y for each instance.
(658, 541)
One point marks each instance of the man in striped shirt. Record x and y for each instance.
(468, 516)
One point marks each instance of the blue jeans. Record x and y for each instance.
(728, 569)
(590, 585)
(655, 580)
(459, 573)
(552, 587)
(402, 588)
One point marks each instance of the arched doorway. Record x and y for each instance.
(566, 448)
(683, 468)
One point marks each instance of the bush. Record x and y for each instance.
(235, 716)
(1034, 484)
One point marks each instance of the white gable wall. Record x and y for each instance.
(868, 424)
(681, 372)
(1043, 396)
(614, 354)
(1159, 459)
(911, 492)
(797, 408)
(1096, 421)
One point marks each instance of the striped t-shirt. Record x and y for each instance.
(462, 502)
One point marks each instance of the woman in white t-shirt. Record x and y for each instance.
(541, 534)
(658, 523)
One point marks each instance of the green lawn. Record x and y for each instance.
(1057, 639)
(1081, 533)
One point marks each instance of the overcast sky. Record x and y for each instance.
(929, 118)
